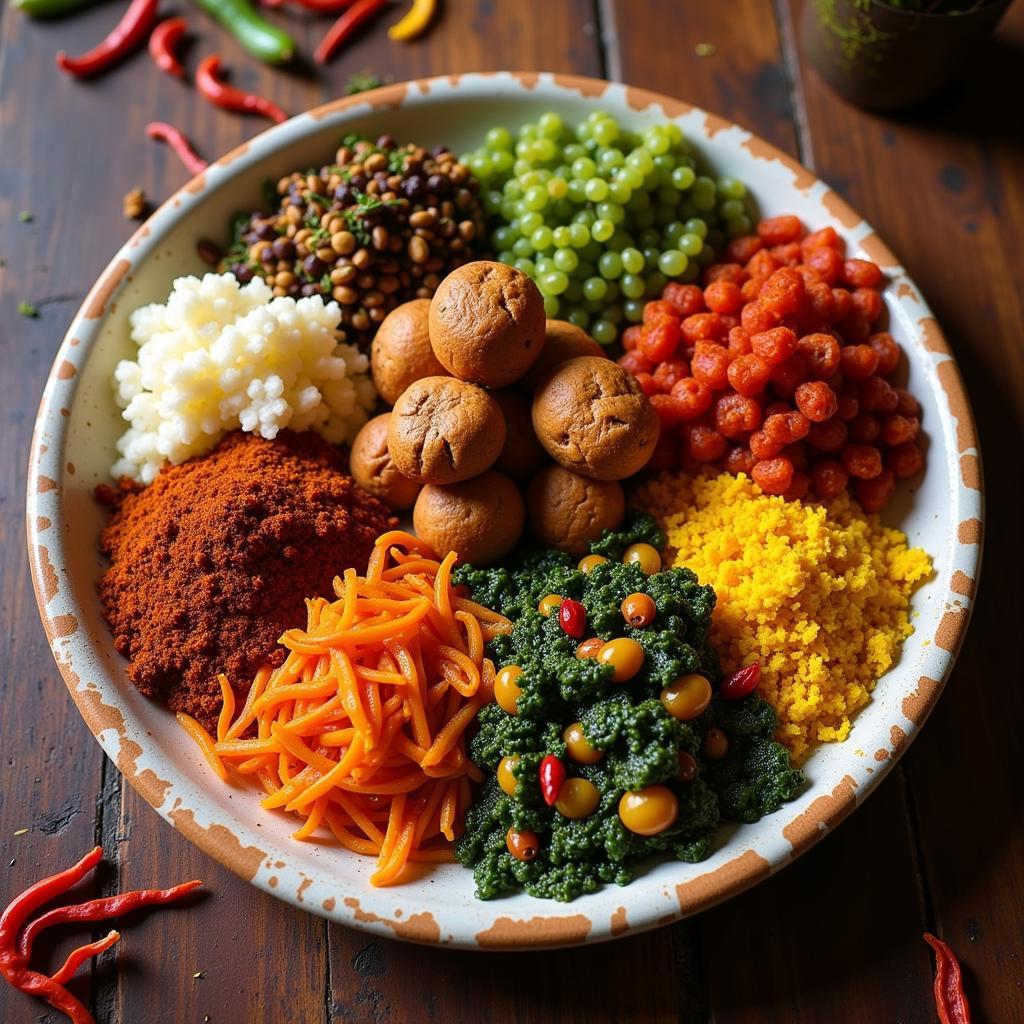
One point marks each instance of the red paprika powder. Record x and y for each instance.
(213, 561)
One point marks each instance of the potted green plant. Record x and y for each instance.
(887, 54)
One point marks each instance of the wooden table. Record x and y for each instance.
(835, 938)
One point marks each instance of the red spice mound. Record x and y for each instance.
(214, 560)
(777, 368)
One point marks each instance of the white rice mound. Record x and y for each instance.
(220, 356)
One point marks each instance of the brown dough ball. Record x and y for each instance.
(592, 417)
(522, 455)
(487, 323)
(443, 430)
(562, 341)
(401, 352)
(569, 511)
(479, 519)
(371, 466)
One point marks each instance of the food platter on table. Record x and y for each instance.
(939, 510)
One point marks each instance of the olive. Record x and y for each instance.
(624, 655)
(639, 610)
(648, 811)
(687, 767)
(550, 604)
(645, 556)
(686, 698)
(506, 776)
(577, 746)
(506, 688)
(577, 798)
(715, 745)
(522, 844)
(590, 647)
(284, 249)
(588, 562)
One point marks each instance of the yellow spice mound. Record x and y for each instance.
(819, 595)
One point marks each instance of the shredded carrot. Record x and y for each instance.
(361, 732)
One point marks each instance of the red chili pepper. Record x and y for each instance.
(572, 617)
(194, 163)
(15, 952)
(220, 94)
(319, 6)
(127, 35)
(741, 683)
(551, 774)
(345, 26)
(162, 45)
(950, 999)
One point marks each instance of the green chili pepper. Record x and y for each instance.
(49, 8)
(259, 37)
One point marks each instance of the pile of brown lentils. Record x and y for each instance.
(381, 225)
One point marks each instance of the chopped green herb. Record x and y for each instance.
(362, 83)
(640, 740)
(27, 309)
(25, 216)
(705, 49)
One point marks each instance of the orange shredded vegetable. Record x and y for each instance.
(362, 730)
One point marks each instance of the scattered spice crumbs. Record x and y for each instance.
(25, 216)
(134, 204)
(27, 309)
(705, 49)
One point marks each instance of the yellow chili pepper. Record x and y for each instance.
(416, 19)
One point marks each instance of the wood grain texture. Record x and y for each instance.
(835, 937)
(785, 968)
(944, 186)
(50, 764)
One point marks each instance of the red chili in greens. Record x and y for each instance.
(16, 937)
(741, 683)
(572, 617)
(551, 775)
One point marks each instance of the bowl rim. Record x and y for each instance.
(544, 929)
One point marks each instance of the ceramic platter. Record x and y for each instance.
(73, 449)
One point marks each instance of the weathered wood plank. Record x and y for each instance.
(943, 185)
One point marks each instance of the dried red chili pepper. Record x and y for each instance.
(572, 617)
(15, 951)
(741, 683)
(950, 999)
(127, 35)
(163, 43)
(551, 775)
(194, 163)
(345, 26)
(220, 94)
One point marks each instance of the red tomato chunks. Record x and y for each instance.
(776, 365)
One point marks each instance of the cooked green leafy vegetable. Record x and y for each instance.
(641, 741)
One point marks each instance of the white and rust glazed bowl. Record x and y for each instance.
(73, 449)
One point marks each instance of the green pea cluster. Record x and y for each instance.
(601, 217)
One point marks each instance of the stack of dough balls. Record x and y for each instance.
(490, 398)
